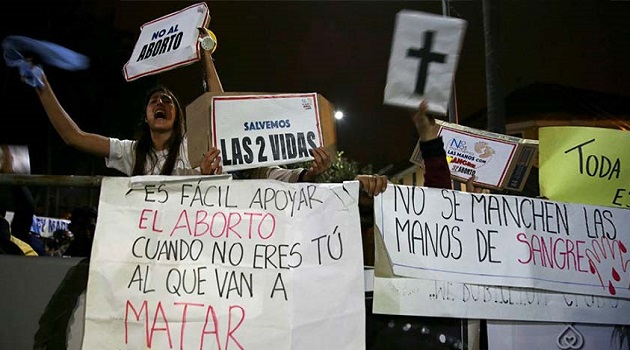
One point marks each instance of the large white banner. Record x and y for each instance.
(215, 263)
(505, 240)
(423, 60)
(263, 130)
(420, 297)
(167, 42)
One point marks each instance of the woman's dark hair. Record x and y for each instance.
(144, 146)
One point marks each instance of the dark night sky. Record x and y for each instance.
(337, 48)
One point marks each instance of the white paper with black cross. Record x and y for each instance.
(423, 60)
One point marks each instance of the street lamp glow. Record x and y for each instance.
(339, 115)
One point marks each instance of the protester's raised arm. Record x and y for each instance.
(425, 124)
(208, 45)
(69, 131)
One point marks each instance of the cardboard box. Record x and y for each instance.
(199, 131)
(498, 161)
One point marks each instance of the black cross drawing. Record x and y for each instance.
(426, 56)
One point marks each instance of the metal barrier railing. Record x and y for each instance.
(53, 185)
(50, 180)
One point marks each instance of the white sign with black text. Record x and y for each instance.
(505, 240)
(423, 60)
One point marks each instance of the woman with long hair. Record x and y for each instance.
(160, 148)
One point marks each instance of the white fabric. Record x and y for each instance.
(75, 326)
(122, 154)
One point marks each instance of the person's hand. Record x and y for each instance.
(470, 186)
(30, 74)
(211, 162)
(321, 163)
(373, 185)
(426, 126)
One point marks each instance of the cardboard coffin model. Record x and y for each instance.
(497, 161)
(259, 129)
